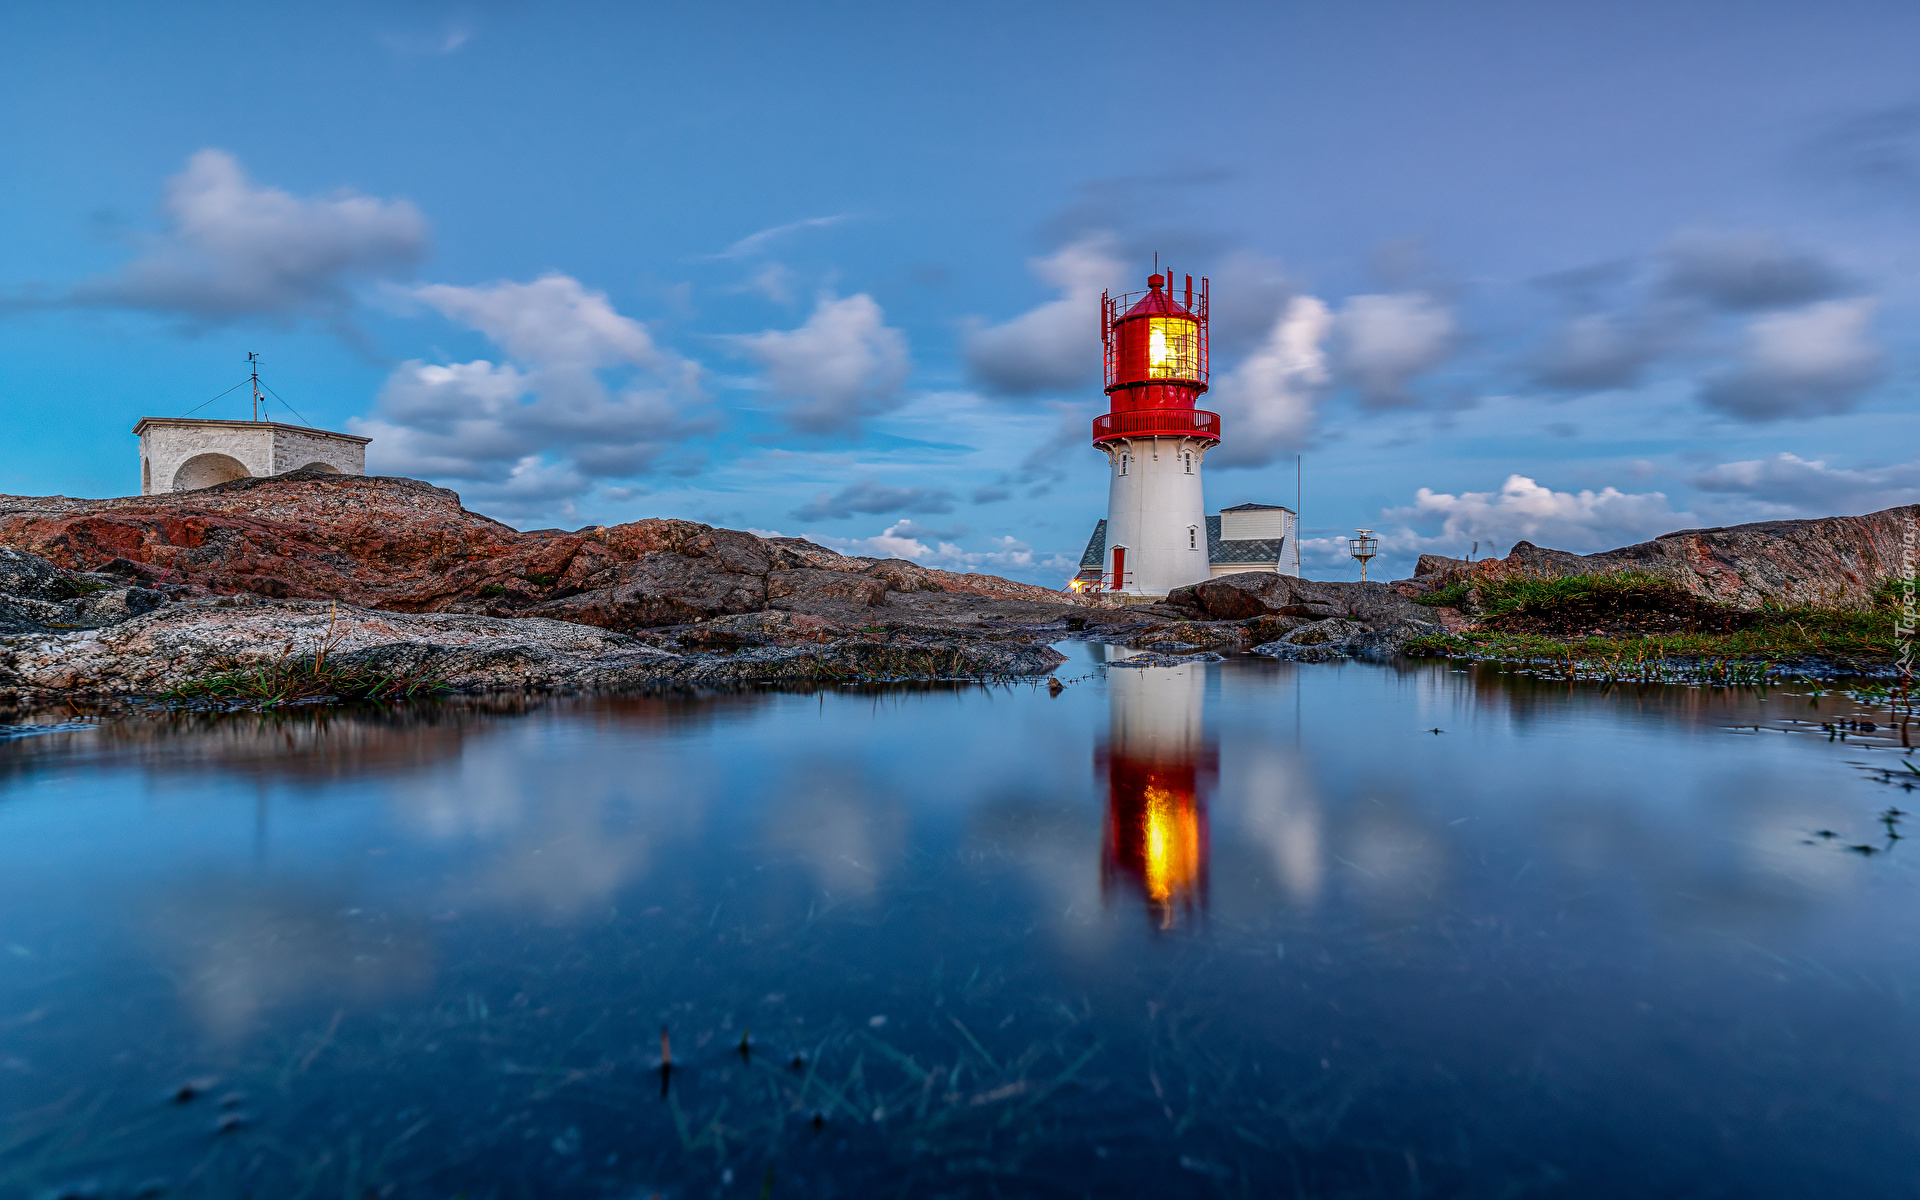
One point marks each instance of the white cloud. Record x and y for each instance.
(843, 364)
(1792, 486)
(1811, 361)
(234, 250)
(773, 280)
(1581, 521)
(753, 243)
(1055, 346)
(556, 322)
(1267, 402)
(1388, 340)
(414, 45)
(547, 424)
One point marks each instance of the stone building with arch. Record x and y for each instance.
(181, 454)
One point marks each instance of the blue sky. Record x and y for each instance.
(1580, 273)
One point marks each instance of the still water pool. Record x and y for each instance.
(1244, 928)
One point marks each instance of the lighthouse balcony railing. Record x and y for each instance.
(1157, 422)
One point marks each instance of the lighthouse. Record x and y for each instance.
(1154, 438)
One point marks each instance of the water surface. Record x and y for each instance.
(1245, 928)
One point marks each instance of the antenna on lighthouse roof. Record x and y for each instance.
(253, 360)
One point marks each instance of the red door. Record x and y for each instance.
(1119, 568)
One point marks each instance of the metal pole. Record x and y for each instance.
(1299, 490)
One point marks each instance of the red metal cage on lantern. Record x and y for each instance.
(1156, 354)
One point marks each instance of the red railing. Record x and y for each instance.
(1157, 422)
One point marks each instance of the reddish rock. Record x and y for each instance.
(1837, 561)
(403, 545)
(809, 585)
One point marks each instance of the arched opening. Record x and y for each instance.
(146, 477)
(205, 470)
(329, 468)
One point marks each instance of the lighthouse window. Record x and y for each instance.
(1173, 348)
(1189, 461)
(1193, 537)
(1124, 457)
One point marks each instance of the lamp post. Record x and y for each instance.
(1363, 546)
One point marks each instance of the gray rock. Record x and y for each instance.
(1165, 660)
(38, 597)
(1340, 638)
(1254, 594)
(179, 643)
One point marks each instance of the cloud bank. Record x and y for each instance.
(234, 250)
(872, 496)
(1582, 521)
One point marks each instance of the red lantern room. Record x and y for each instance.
(1156, 355)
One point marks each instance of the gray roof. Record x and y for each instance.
(1258, 508)
(1255, 552)
(1096, 555)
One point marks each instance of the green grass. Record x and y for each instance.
(1599, 594)
(73, 589)
(492, 589)
(1452, 596)
(294, 681)
(1772, 635)
(1776, 636)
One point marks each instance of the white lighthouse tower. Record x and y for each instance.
(1154, 438)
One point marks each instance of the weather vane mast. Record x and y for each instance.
(253, 360)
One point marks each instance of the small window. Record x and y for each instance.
(1188, 456)
(1193, 537)
(1124, 457)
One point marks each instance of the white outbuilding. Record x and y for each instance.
(1246, 537)
(181, 454)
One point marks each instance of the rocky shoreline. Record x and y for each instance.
(137, 596)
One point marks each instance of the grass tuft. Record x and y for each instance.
(297, 679)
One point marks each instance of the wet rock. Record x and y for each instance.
(1183, 637)
(1336, 637)
(1270, 628)
(1255, 594)
(1166, 660)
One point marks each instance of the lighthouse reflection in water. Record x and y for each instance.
(1159, 769)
